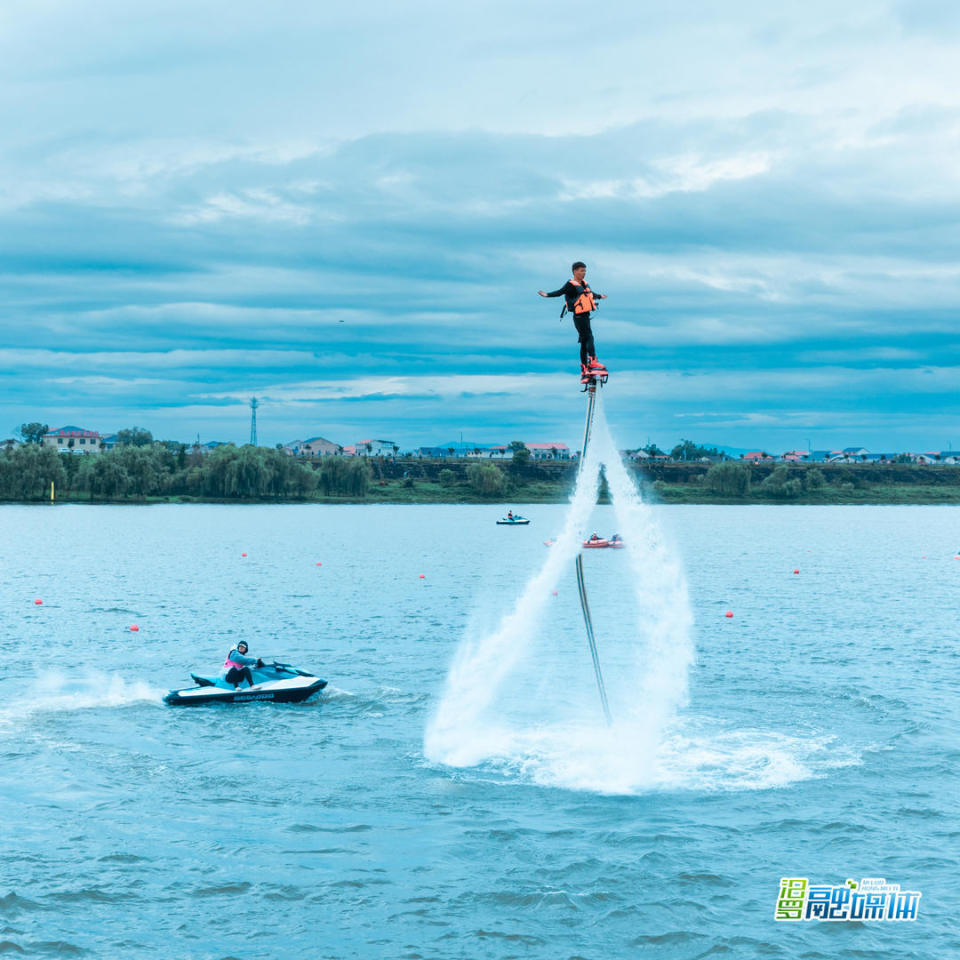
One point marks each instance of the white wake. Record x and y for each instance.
(522, 700)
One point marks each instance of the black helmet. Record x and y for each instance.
(244, 644)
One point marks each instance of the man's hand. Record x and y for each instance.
(542, 293)
(259, 662)
(601, 296)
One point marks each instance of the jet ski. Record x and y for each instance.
(514, 521)
(274, 682)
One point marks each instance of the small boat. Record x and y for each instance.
(274, 682)
(596, 542)
(513, 521)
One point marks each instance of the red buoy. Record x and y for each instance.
(556, 593)
(242, 554)
(133, 628)
(796, 571)
(422, 575)
(319, 564)
(38, 602)
(728, 614)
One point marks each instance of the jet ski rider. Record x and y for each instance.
(237, 665)
(580, 300)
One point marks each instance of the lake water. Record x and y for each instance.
(818, 739)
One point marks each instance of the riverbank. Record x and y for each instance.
(251, 475)
(428, 492)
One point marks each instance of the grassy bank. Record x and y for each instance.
(462, 481)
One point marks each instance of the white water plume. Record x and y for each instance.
(482, 664)
(660, 587)
(551, 730)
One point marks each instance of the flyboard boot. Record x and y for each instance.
(593, 372)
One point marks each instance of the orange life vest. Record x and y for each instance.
(585, 302)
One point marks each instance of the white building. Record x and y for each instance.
(376, 448)
(548, 451)
(73, 440)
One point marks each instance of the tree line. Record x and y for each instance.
(133, 471)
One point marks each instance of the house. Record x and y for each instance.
(9, 444)
(108, 442)
(375, 448)
(950, 456)
(73, 440)
(821, 456)
(548, 451)
(795, 456)
(855, 452)
(755, 456)
(314, 447)
(639, 455)
(496, 452)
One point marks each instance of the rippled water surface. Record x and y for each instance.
(820, 738)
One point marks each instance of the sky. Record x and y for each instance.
(347, 211)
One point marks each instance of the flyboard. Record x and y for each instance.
(591, 379)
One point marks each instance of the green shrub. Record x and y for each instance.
(814, 478)
(485, 479)
(727, 480)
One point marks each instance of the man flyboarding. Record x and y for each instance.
(580, 301)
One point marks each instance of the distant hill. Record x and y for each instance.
(735, 452)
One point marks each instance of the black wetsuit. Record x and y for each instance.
(580, 320)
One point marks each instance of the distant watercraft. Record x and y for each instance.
(597, 542)
(514, 521)
(276, 682)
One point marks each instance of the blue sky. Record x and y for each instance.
(347, 211)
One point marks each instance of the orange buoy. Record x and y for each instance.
(133, 628)
(728, 614)
(38, 602)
